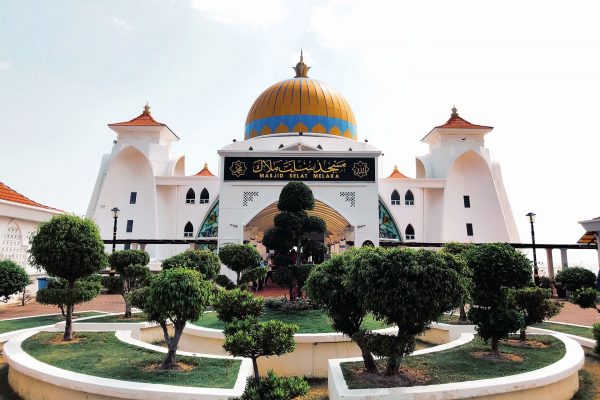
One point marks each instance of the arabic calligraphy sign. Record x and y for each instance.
(299, 169)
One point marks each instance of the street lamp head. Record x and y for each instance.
(531, 217)
(115, 212)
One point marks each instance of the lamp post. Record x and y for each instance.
(115, 213)
(536, 276)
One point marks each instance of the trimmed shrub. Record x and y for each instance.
(596, 332)
(225, 282)
(112, 284)
(535, 306)
(546, 282)
(574, 278)
(236, 305)
(244, 260)
(585, 297)
(285, 304)
(204, 261)
(13, 279)
(272, 387)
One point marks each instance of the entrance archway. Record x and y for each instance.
(337, 227)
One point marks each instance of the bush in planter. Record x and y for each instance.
(573, 278)
(204, 261)
(68, 247)
(272, 387)
(175, 295)
(497, 268)
(535, 306)
(244, 260)
(245, 336)
(596, 332)
(586, 298)
(546, 282)
(112, 284)
(13, 279)
(406, 288)
(326, 286)
(132, 266)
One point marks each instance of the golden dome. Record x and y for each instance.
(300, 104)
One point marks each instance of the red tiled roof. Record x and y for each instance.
(8, 194)
(456, 122)
(144, 119)
(205, 171)
(397, 174)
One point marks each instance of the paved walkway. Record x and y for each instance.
(573, 314)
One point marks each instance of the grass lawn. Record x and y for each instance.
(136, 317)
(458, 365)
(572, 330)
(102, 354)
(309, 321)
(24, 323)
(589, 376)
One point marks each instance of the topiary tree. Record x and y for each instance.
(13, 279)
(204, 261)
(325, 286)
(458, 249)
(292, 234)
(407, 288)
(174, 296)
(68, 247)
(244, 260)
(59, 294)
(132, 266)
(575, 278)
(535, 305)
(497, 268)
(245, 336)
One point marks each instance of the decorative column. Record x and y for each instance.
(550, 263)
(598, 246)
(143, 246)
(563, 258)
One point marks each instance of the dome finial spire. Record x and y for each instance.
(454, 111)
(301, 68)
(146, 109)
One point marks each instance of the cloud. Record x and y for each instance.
(121, 23)
(258, 14)
(5, 65)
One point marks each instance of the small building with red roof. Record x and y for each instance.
(19, 218)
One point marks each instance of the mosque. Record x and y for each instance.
(301, 129)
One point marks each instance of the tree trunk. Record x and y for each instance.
(172, 343)
(68, 336)
(126, 290)
(523, 334)
(255, 367)
(127, 308)
(370, 365)
(237, 279)
(495, 345)
(463, 313)
(392, 366)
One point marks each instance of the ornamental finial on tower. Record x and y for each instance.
(454, 111)
(301, 68)
(147, 109)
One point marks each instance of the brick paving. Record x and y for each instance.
(573, 314)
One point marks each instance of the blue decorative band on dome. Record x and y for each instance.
(300, 123)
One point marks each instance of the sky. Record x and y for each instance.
(529, 69)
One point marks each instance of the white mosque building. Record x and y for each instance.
(301, 129)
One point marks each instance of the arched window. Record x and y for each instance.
(409, 233)
(11, 245)
(409, 198)
(204, 196)
(190, 197)
(188, 231)
(395, 198)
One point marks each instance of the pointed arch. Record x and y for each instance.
(204, 196)
(210, 225)
(387, 227)
(409, 198)
(190, 196)
(395, 198)
(409, 232)
(188, 230)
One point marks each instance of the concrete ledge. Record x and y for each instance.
(35, 380)
(588, 344)
(557, 381)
